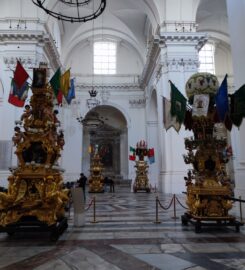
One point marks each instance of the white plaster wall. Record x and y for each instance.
(178, 10)
(81, 61)
(223, 60)
(127, 61)
(71, 156)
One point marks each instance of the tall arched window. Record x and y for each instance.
(104, 57)
(206, 58)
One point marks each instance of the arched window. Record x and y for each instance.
(104, 57)
(206, 58)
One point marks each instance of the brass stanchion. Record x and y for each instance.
(240, 207)
(174, 217)
(157, 221)
(94, 212)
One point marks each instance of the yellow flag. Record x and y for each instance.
(65, 82)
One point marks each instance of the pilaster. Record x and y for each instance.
(178, 59)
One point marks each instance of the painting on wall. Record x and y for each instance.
(106, 154)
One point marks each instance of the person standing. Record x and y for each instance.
(82, 183)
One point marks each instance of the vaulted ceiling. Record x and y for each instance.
(133, 21)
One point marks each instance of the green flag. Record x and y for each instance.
(237, 110)
(178, 104)
(55, 82)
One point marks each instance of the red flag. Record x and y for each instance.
(151, 155)
(59, 97)
(20, 75)
(151, 152)
(17, 96)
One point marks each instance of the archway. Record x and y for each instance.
(111, 139)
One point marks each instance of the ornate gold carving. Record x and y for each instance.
(96, 180)
(36, 187)
(208, 185)
(141, 180)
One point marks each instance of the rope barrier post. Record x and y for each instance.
(174, 198)
(240, 207)
(94, 212)
(157, 221)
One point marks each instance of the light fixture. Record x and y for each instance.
(76, 5)
(92, 120)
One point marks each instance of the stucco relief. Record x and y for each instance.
(180, 64)
(27, 62)
(137, 102)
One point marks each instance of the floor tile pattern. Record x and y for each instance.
(126, 237)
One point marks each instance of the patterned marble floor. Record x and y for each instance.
(126, 237)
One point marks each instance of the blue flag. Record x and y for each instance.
(71, 92)
(221, 100)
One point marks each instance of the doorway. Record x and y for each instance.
(111, 140)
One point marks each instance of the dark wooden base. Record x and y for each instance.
(142, 189)
(199, 222)
(31, 224)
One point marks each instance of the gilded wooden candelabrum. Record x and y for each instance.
(141, 182)
(96, 180)
(35, 186)
(208, 185)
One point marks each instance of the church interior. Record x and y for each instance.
(146, 99)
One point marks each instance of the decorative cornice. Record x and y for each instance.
(181, 38)
(100, 87)
(39, 38)
(151, 59)
(165, 39)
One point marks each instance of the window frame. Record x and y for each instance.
(105, 57)
(206, 58)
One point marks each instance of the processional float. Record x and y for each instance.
(96, 179)
(35, 199)
(141, 182)
(208, 185)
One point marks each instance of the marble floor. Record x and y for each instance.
(126, 237)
